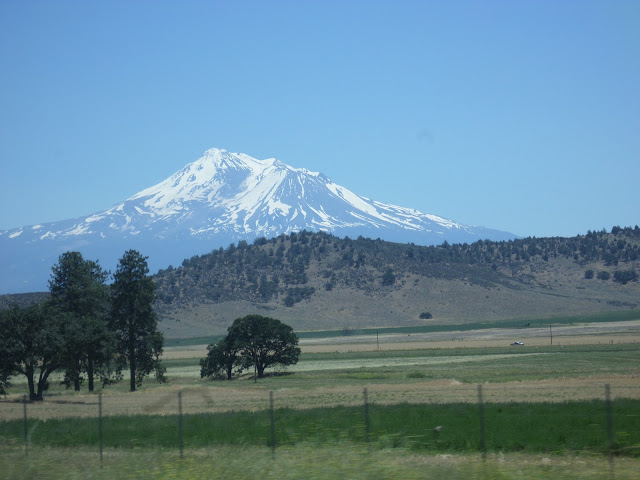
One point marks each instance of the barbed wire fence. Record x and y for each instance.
(172, 403)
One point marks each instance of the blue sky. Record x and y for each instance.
(520, 116)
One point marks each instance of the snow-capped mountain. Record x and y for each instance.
(220, 198)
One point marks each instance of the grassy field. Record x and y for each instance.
(543, 405)
(309, 462)
(568, 427)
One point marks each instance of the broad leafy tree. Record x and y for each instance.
(221, 360)
(264, 342)
(79, 291)
(133, 319)
(31, 344)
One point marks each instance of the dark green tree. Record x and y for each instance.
(5, 375)
(32, 343)
(388, 278)
(625, 276)
(133, 319)
(264, 342)
(78, 289)
(7, 363)
(221, 359)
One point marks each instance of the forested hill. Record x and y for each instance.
(315, 280)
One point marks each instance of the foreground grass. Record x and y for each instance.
(510, 427)
(309, 462)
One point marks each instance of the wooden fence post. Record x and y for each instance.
(483, 434)
(609, 410)
(100, 425)
(367, 426)
(273, 425)
(26, 428)
(180, 423)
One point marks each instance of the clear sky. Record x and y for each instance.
(516, 115)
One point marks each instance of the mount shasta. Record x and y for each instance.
(219, 199)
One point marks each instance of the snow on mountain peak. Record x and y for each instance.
(234, 192)
(224, 197)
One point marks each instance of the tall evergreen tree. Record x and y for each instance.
(133, 319)
(78, 289)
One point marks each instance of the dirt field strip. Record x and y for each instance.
(177, 353)
(593, 333)
(406, 361)
(577, 334)
(466, 342)
(400, 343)
(217, 399)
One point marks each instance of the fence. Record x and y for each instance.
(475, 425)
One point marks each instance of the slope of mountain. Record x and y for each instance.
(315, 281)
(221, 198)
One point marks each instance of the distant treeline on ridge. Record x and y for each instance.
(280, 267)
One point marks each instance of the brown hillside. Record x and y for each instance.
(314, 281)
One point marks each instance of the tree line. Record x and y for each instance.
(87, 329)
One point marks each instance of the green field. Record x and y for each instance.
(308, 462)
(532, 323)
(543, 410)
(568, 427)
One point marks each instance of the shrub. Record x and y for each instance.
(297, 294)
(624, 276)
(388, 278)
(426, 316)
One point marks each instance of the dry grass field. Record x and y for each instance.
(205, 399)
